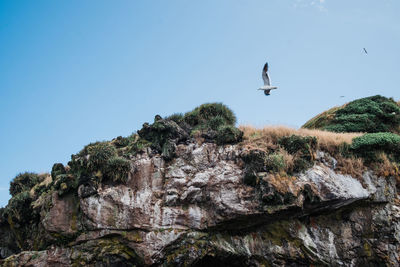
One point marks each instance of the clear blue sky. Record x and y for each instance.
(73, 72)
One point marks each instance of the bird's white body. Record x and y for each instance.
(267, 83)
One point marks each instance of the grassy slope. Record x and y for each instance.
(321, 120)
(369, 114)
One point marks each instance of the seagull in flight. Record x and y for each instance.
(267, 84)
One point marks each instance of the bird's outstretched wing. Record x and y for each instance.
(265, 75)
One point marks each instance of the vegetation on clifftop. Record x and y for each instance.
(211, 122)
(370, 145)
(280, 150)
(370, 114)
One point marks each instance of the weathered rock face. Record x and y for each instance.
(195, 210)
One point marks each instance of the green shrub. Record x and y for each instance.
(162, 131)
(192, 118)
(117, 169)
(205, 112)
(65, 183)
(255, 159)
(138, 146)
(302, 147)
(254, 162)
(215, 122)
(208, 111)
(19, 208)
(305, 145)
(79, 168)
(40, 189)
(58, 168)
(121, 141)
(99, 154)
(176, 117)
(23, 182)
(275, 162)
(368, 145)
(371, 114)
(228, 134)
(301, 164)
(209, 121)
(89, 161)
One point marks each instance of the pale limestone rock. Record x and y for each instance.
(196, 207)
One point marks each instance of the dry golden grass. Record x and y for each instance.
(46, 180)
(287, 158)
(385, 168)
(267, 138)
(351, 166)
(283, 183)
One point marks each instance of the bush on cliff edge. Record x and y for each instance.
(370, 114)
(23, 182)
(371, 144)
(202, 114)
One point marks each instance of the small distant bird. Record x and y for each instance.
(365, 50)
(267, 84)
(342, 96)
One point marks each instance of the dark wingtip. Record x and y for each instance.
(265, 67)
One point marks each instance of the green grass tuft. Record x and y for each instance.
(19, 208)
(117, 169)
(99, 154)
(228, 134)
(275, 162)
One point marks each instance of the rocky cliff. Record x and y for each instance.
(180, 194)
